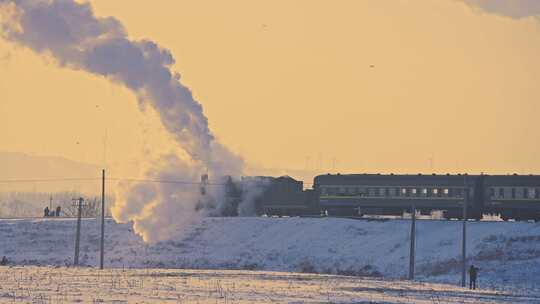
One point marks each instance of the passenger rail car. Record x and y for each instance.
(510, 196)
(513, 196)
(362, 194)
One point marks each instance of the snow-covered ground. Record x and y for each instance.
(508, 254)
(32, 284)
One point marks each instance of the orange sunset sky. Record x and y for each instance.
(320, 86)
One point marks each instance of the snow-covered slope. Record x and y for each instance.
(508, 254)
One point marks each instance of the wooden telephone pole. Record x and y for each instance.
(102, 242)
(413, 242)
(79, 201)
(464, 236)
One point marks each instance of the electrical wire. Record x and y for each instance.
(131, 180)
(135, 180)
(46, 180)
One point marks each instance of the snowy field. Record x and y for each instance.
(33, 284)
(508, 254)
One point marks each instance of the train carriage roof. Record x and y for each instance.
(395, 180)
(513, 180)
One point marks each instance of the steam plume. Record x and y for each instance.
(511, 8)
(70, 33)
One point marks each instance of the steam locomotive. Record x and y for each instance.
(509, 196)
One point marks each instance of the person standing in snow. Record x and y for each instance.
(58, 211)
(473, 272)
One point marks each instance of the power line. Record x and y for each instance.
(46, 180)
(162, 181)
(133, 180)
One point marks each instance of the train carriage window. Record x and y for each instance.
(450, 192)
(365, 191)
(525, 192)
(501, 192)
(403, 191)
(446, 191)
(491, 192)
(424, 191)
(531, 193)
(435, 191)
(413, 191)
(513, 192)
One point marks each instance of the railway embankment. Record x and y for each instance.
(507, 253)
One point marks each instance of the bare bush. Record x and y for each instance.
(306, 266)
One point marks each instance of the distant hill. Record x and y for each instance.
(17, 166)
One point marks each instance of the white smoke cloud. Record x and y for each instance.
(252, 189)
(511, 8)
(75, 38)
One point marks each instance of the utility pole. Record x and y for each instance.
(79, 202)
(413, 242)
(464, 237)
(102, 243)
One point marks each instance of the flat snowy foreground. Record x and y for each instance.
(87, 285)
